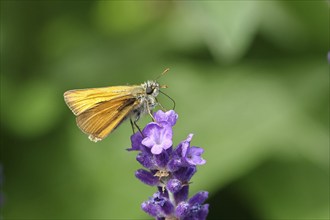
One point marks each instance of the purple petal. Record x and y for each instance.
(158, 206)
(185, 173)
(182, 148)
(148, 142)
(162, 201)
(147, 177)
(136, 140)
(146, 160)
(182, 210)
(193, 156)
(188, 211)
(157, 149)
(150, 208)
(168, 207)
(169, 117)
(158, 137)
(197, 212)
(173, 185)
(199, 198)
(182, 194)
(167, 143)
(202, 214)
(161, 159)
(169, 151)
(151, 130)
(175, 163)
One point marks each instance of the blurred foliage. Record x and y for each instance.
(250, 79)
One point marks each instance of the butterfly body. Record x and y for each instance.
(99, 111)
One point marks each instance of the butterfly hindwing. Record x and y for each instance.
(104, 117)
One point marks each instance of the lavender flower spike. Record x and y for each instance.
(169, 169)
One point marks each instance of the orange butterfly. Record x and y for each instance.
(100, 110)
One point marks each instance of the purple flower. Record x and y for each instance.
(170, 170)
(157, 137)
(147, 177)
(184, 145)
(146, 160)
(181, 195)
(158, 206)
(169, 117)
(185, 173)
(186, 211)
(193, 156)
(136, 140)
(174, 185)
(193, 209)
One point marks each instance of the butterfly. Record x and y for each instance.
(99, 111)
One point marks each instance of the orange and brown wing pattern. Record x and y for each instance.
(103, 118)
(81, 100)
(100, 110)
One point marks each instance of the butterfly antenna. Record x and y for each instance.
(162, 74)
(169, 98)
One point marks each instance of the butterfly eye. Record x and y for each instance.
(149, 90)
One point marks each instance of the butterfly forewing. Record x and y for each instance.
(81, 100)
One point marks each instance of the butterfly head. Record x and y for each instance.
(152, 87)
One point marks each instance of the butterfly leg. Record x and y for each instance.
(134, 124)
(150, 113)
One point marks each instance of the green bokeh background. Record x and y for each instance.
(250, 79)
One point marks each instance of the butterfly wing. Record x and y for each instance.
(103, 118)
(100, 110)
(81, 100)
